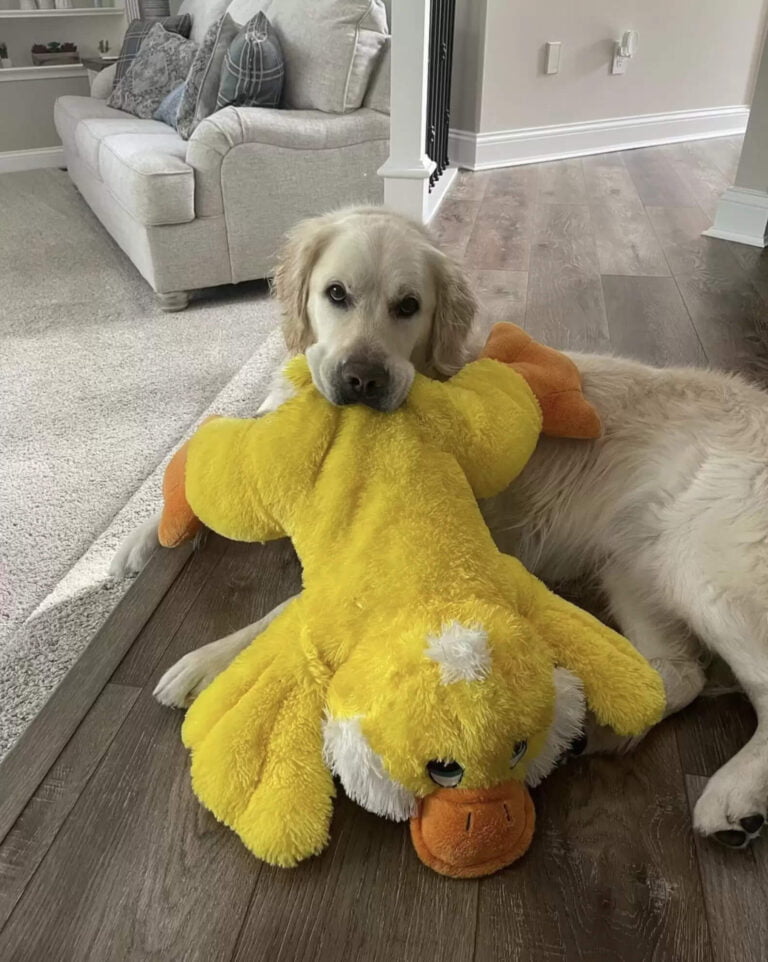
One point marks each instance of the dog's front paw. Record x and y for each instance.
(184, 681)
(136, 550)
(732, 807)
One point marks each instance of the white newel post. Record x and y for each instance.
(406, 172)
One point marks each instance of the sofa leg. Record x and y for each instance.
(174, 301)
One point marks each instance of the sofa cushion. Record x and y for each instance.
(253, 71)
(203, 13)
(69, 111)
(90, 133)
(202, 84)
(148, 176)
(160, 65)
(331, 48)
(137, 33)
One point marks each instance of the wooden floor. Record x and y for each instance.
(106, 855)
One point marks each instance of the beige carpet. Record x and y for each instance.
(97, 386)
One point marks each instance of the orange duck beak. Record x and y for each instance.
(467, 833)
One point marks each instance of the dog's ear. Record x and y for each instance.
(450, 346)
(290, 285)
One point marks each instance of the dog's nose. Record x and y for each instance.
(365, 382)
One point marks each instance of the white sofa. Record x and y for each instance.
(212, 210)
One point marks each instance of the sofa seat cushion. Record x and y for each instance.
(91, 132)
(149, 177)
(70, 111)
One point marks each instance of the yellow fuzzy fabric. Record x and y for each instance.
(382, 511)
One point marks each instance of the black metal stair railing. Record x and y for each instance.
(442, 17)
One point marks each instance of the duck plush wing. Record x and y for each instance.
(244, 478)
(487, 417)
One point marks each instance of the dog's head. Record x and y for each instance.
(370, 299)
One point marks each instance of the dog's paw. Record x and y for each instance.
(733, 807)
(184, 681)
(136, 550)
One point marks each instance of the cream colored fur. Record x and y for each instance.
(669, 511)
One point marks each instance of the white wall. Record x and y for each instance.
(692, 54)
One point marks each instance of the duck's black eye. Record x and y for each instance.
(446, 774)
(518, 751)
(337, 293)
(407, 307)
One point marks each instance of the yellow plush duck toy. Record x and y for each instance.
(418, 662)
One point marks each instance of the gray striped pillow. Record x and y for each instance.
(253, 70)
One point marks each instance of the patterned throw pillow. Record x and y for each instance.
(137, 33)
(253, 71)
(199, 99)
(168, 110)
(160, 65)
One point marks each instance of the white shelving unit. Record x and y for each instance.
(58, 71)
(71, 12)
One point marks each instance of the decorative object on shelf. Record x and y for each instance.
(27, 5)
(45, 5)
(103, 47)
(63, 4)
(5, 60)
(44, 55)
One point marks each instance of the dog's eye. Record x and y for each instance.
(445, 774)
(407, 307)
(337, 293)
(517, 752)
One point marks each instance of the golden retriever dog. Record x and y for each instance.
(668, 511)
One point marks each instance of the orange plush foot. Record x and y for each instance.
(552, 377)
(178, 522)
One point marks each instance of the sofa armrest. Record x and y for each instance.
(286, 131)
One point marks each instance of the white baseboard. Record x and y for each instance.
(439, 192)
(11, 160)
(742, 216)
(506, 148)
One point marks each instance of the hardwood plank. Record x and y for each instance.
(647, 320)
(501, 295)
(29, 760)
(735, 891)
(367, 897)
(139, 871)
(657, 183)
(565, 300)
(501, 237)
(611, 873)
(754, 262)
(27, 842)
(470, 185)
(562, 182)
(695, 167)
(730, 318)
(143, 656)
(725, 153)
(711, 730)
(453, 224)
(626, 242)
(679, 232)
(607, 180)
